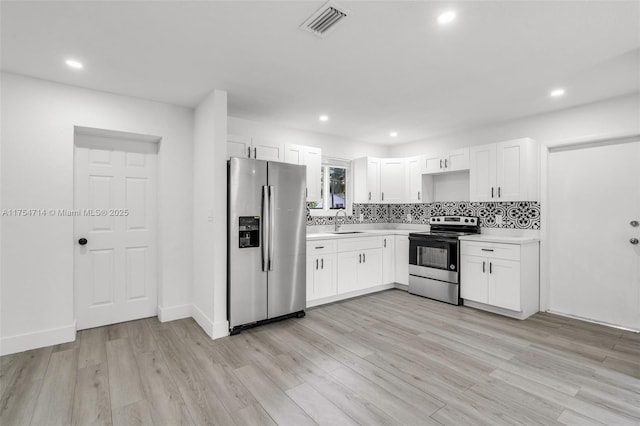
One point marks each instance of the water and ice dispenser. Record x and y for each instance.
(249, 231)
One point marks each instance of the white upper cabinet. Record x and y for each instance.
(238, 146)
(366, 180)
(312, 158)
(248, 147)
(451, 161)
(505, 171)
(414, 180)
(392, 180)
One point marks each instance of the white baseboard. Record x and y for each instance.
(38, 339)
(170, 313)
(220, 329)
(399, 286)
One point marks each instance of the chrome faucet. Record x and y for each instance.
(337, 225)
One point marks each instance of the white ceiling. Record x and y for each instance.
(389, 66)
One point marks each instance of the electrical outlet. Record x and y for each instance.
(409, 218)
(498, 219)
(361, 218)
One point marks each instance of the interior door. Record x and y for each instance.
(115, 231)
(594, 267)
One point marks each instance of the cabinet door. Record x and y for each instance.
(311, 275)
(373, 180)
(414, 180)
(312, 158)
(266, 150)
(474, 272)
(293, 154)
(402, 259)
(325, 279)
(392, 180)
(238, 146)
(504, 284)
(348, 271)
(388, 259)
(370, 270)
(457, 160)
(482, 173)
(517, 170)
(433, 163)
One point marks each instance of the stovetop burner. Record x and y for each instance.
(451, 226)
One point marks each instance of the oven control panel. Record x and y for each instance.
(453, 220)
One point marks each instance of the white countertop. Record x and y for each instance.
(484, 238)
(362, 233)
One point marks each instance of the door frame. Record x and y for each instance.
(546, 208)
(118, 140)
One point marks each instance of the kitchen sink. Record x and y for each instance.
(348, 232)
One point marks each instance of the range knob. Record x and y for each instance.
(466, 220)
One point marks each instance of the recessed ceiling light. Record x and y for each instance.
(393, 134)
(323, 118)
(556, 93)
(72, 63)
(447, 17)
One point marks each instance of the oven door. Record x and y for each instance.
(434, 257)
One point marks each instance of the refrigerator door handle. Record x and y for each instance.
(265, 227)
(272, 206)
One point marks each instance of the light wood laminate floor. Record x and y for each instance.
(387, 358)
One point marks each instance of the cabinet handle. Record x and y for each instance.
(319, 247)
(360, 260)
(383, 196)
(445, 163)
(440, 163)
(498, 192)
(255, 152)
(418, 195)
(364, 258)
(492, 192)
(483, 266)
(316, 263)
(249, 152)
(490, 267)
(385, 243)
(322, 263)
(369, 196)
(487, 249)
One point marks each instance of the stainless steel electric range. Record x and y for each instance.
(434, 257)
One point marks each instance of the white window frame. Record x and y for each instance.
(339, 163)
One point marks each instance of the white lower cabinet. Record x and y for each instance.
(321, 276)
(388, 259)
(402, 259)
(360, 269)
(502, 278)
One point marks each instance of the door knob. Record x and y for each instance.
(82, 241)
(634, 241)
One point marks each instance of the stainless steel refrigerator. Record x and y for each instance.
(266, 236)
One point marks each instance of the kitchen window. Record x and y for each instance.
(335, 190)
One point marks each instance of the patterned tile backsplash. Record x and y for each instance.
(515, 214)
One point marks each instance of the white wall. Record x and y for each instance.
(332, 146)
(210, 215)
(617, 116)
(38, 120)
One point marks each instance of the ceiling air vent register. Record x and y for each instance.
(325, 19)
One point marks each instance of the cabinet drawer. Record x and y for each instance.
(494, 250)
(321, 247)
(353, 244)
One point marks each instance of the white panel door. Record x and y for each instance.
(348, 271)
(373, 180)
(392, 180)
(388, 259)
(238, 146)
(370, 270)
(116, 271)
(402, 259)
(325, 276)
(293, 154)
(482, 173)
(433, 163)
(504, 284)
(312, 158)
(414, 180)
(594, 195)
(457, 160)
(510, 176)
(266, 150)
(473, 278)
